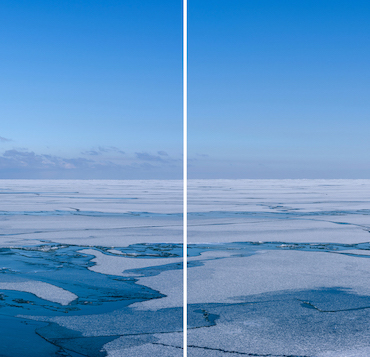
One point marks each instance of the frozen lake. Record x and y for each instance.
(94, 268)
(72, 256)
(292, 278)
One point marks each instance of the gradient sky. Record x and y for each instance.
(93, 89)
(279, 89)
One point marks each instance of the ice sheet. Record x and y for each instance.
(42, 290)
(276, 267)
(232, 278)
(90, 212)
(118, 265)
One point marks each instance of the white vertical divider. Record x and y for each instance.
(185, 177)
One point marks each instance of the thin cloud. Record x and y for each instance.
(91, 153)
(102, 150)
(28, 159)
(3, 140)
(162, 153)
(148, 157)
(110, 149)
(23, 163)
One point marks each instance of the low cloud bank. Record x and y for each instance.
(102, 163)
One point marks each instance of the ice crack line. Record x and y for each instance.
(226, 351)
(310, 305)
(87, 229)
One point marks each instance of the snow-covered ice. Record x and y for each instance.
(74, 249)
(299, 288)
(42, 290)
(276, 267)
(106, 264)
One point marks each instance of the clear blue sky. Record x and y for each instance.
(93, 89)
(279, 89)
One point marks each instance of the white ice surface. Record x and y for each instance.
(259, 207)
(268, 195)
(274, 210)
(354, 352)
(90, 212)
(294, 230)
(42, 290)
(116, 349)
(266, 339)
(229, 336)
(120, 208)
(231, 279)
(158, 196)
(117, 265)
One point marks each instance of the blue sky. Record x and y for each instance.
(279, 89)
(93, 89)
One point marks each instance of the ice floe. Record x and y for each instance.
(42, 290)
(119, 265)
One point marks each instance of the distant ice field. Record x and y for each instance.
(279, 210)
(96, 212)
(94, 268)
